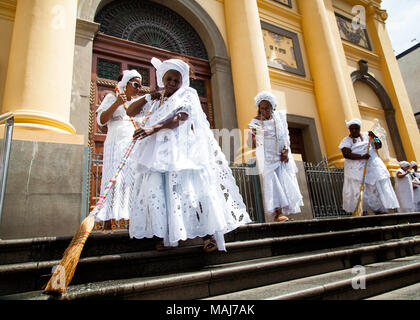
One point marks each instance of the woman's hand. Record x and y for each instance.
(121, 99)
(284, 156)
(142, 133)
(365, 156)
(156, 95)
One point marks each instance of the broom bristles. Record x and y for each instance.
(67, 266)
(358, 212)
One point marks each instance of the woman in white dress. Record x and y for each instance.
(270, 136)
(416, 185)
(378, 193)
(184, 186)
(111, 113)
(404, 187)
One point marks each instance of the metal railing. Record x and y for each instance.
(249, 187)
(325, 186)
(8, 119)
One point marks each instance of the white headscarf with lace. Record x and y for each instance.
(127, 76)
(354, 121)
(267, 96)
(171, 64)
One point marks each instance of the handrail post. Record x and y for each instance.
(5, 160)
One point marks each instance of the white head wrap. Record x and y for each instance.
(171, 64)
(127, 76)
(265, 95)
(404, 164)
(354, 121)
(413, 164)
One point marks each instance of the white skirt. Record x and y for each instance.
(119, 201)
(182, 205)
(281, 190)
(379, 197)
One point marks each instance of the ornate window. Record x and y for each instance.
(149, 23)
(108, 69)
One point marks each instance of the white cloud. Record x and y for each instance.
(403, 23)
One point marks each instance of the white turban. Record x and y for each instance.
(354, 121)
(127, 76)
(404, 164)
(413, 164)
(267, 96)
(171, 64)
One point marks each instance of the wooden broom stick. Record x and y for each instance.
(64, 272)
(358, 212)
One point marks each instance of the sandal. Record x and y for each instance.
(281, 218)
(210, 245)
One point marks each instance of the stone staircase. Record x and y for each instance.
(314, 259)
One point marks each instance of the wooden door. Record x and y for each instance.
(113, 55)
(296, 142)
(110, 57)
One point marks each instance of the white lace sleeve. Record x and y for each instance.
(254, 124)
(283, 117)
(106, 103)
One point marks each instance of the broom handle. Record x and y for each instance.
(111, 182)
(364, 170)
(121, 164)
(125, 107)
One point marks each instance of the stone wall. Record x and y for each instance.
(44, 190)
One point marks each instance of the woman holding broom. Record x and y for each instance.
(111, 113)
(184, 186)
(378, 192)
(269, 134)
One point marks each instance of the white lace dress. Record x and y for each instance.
(378, 194)
(280, 185)
(405, 192)
(416, 191)
(184, 186)
(118, 203)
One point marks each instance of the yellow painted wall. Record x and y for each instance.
(216, 10)
(300, 103)
(7, 11)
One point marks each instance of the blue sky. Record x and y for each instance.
(403, 23)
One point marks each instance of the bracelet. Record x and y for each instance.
(148, 98)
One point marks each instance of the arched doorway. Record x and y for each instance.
(364, 77)
(131, 33)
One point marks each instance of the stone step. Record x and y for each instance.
(219, 279)
(31, 276)
(411, 292)
(52, 248)
(341, 285)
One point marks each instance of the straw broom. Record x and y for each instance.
(358, 212)
(67, 266)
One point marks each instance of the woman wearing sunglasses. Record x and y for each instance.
(111, 113)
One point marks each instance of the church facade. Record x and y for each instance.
(327, 61)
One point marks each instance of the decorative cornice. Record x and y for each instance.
(290, 81)
(8, 9)
(279, 14)
(377, 13)
(355, 53)
(368, 109)
(86, 29)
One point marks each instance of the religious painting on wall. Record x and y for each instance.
(357, 36)
(282, 49)
(285, 2)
